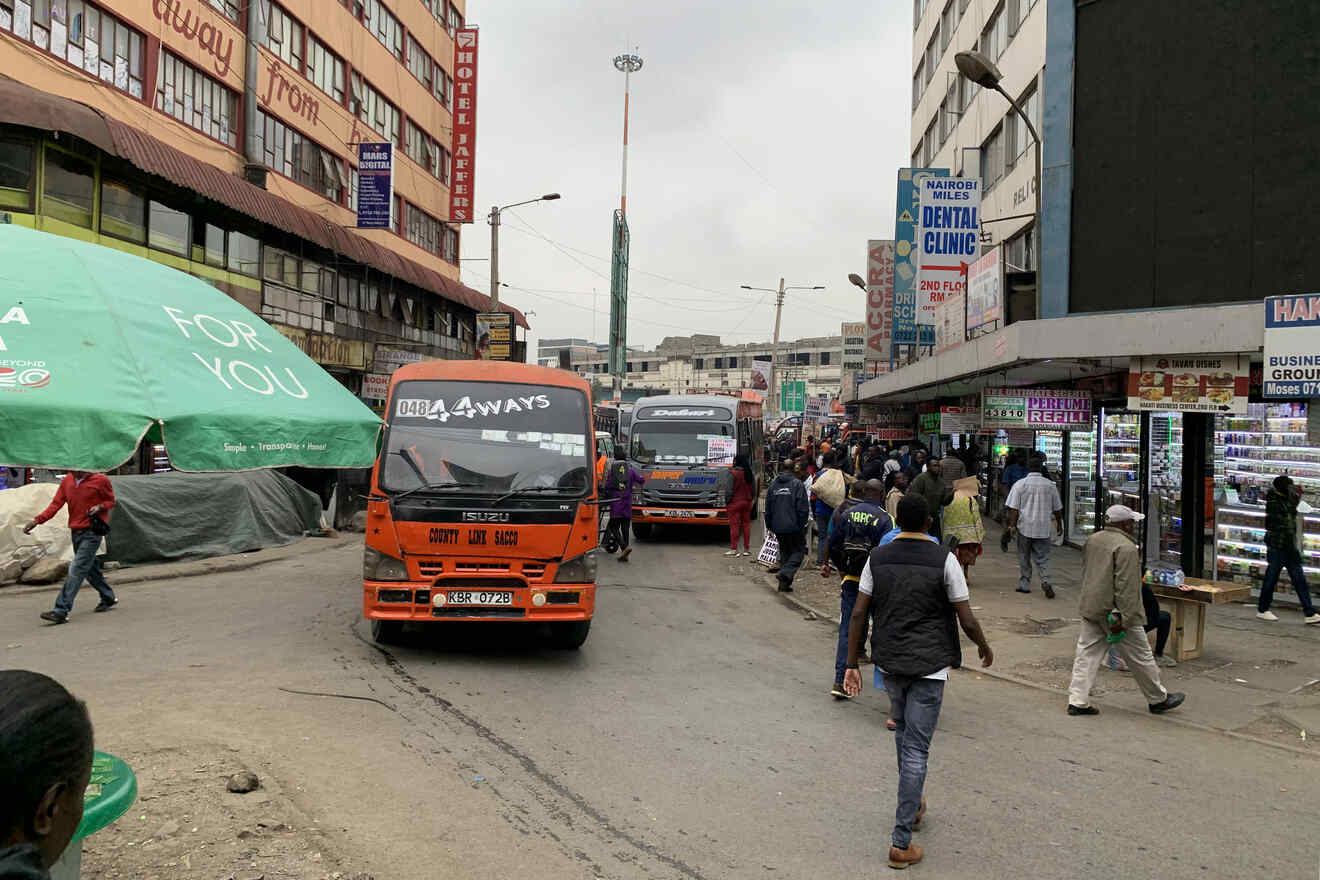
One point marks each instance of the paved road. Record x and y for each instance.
(691, 737)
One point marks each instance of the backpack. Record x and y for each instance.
(618, 475)
(856, 550)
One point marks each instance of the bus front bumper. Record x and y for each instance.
(418, 601)
(693, 515)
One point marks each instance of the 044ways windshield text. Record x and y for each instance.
(486, 438)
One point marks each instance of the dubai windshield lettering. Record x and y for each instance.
(467, 408)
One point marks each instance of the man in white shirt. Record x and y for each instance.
(1035, 515)
(916, 594)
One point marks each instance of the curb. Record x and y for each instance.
(199, 567)
(1022, 682)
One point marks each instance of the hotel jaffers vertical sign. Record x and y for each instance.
(465, 126)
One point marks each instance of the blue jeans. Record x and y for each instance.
(847, 599)
(822, 535)
(914, 704)
(1291, 559)
(85, 566)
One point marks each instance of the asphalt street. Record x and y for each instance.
(691, 737)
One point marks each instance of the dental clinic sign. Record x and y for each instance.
(1292, 346)
(948, 239)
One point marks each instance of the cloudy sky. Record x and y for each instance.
(764, 141)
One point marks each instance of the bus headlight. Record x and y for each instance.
(376, 566)
(579, 570)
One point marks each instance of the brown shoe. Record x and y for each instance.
(901, 858)
(921, 811)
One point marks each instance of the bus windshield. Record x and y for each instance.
(682, 442)
(486, 438)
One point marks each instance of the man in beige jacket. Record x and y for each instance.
(1111, 584)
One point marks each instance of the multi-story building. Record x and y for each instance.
(128, 123)
(683, 364)
(551, 352)
(959, 126)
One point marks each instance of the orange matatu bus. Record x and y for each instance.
(481, 500)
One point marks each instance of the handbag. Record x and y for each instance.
(98, 526)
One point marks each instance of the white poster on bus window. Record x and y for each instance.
(720, 450)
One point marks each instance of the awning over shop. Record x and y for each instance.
(1059, 350)
(21, 104)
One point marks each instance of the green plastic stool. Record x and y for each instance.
(112, 790)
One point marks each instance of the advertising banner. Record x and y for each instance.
(375, 386)
(907, 208)
(1041, 409)
(760, 375)
(879, 299)
(464, 153)
(950, 323)
(854, 345)
(1201, 383)
(387, 360)
(960, 419)
(375, 196)
(949, 239)
(890, 423)
(494, 336)
(984, 290)
(1292, 346)
(928, 422)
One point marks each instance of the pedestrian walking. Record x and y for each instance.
(619, 483)
(787, 515)
(1032, 504)
(964, 531)
(827, 490)
(1158, 625)
(1111, 605)
(898, 488)
(45, 766)
(916, 597)
(855, 531)
(1282, 550)
(952, 469)
(743, 491)
(88, 496)
(929, 484)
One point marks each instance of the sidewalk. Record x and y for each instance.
(1256, 679)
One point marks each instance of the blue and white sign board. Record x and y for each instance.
(1292, 346)
(949, 233)
(907, 210)
(375, 193)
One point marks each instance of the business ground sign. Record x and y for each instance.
(1292, 346)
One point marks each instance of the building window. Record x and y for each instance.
(443, 88)
(288, 152)
(16, 172)
(432, 235)
(1019, 255)
(1019, 139)
(196, 100)
(966, 91)
(69, 188)
(213, 244)
(123, 212)
(948, 24)
(451, 245)
(284, 35)
(701, 363)
(733, 362)
(381, 22)
(455, 19)
(994, 39)
(375, 110)
(422, 149)
(244, 254)
(932, 55)
(78, 32)
(824, 358)
(325, 69)
(419, 63)
(918, 9)
(229, 8)
(928, 146)
(168, 229)
(918, 83)
(992, 159)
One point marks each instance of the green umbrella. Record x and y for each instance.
(98, 346)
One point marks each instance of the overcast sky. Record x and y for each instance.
(764, 141)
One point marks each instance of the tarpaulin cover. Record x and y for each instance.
(170, 516)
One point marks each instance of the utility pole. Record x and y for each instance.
(773, 407)
(494, 258)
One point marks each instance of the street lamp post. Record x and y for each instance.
(495, 244)
(774, 351)
(976, 67)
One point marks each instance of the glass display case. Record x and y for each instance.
(1250, 452)
(1050, 444)
(1120, 458)
(1081, 484)
(1164, 454)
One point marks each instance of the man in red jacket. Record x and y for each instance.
(88, 495)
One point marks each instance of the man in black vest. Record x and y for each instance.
(917, 596)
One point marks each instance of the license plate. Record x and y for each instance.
(479, 597)
(680, 514)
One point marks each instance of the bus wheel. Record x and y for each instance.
(570, 636)
(642, 530)
(386, 632)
